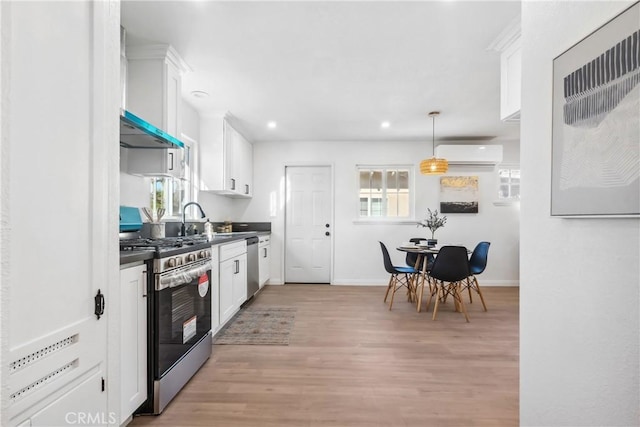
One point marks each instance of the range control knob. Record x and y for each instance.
(191, 257)
(202, 254)
(208, 254)
(179, 261)
(171, 262)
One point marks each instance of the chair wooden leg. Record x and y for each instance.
(477, 289)
(395, 287)
(458, 297)
(435, 308)
(433, 287)
(414, 287)
(388, 288)
(408, 279)
(419, 297)
(469, 290)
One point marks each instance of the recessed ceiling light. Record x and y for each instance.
(385, 125)
(272, 125)
(200, 94)
(481, 148)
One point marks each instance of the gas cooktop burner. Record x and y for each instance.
(160, 245)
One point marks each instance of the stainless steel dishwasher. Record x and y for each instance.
(253, 273)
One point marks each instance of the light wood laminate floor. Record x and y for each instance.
(352, 362)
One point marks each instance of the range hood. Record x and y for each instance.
(138, 133)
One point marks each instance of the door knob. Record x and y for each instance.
(326, 225)
(327, 234)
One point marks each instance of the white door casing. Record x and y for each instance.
(59, 180)
(308, 224)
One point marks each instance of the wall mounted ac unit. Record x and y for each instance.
(484, 155)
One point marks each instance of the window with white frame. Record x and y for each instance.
(509, 183)
(172, 193)
(384, 192)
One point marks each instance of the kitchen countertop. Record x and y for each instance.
(127, 257)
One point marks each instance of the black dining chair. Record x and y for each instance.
(450, 270)
(412, 258)
(477, 264)
(400, 276)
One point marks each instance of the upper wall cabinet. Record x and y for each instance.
(154, 85)
(226, 159)
(508, 44)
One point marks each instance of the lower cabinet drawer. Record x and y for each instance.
(231, 250)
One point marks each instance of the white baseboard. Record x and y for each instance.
(359, 282)
(362, 282)
(498, 283)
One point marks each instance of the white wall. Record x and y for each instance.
(357, 256)
(579, 298)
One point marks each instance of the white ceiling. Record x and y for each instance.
(335, 70)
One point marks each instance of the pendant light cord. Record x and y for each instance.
(433, 135)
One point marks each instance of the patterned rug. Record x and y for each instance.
(258, 326)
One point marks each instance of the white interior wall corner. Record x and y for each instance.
(579, 316)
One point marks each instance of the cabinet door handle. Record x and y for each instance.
(170, 161)
(246, 189)
(265, 252)
(233, 184)
(144, 284)
(237, 263)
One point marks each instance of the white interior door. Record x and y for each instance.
(308, 232)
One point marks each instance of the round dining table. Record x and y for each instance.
(421, 266)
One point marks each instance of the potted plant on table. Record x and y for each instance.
(433, 222)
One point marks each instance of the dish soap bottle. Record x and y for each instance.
(208, 229)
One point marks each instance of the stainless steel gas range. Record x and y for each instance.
(179, 310)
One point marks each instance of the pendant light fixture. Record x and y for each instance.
(434, 166)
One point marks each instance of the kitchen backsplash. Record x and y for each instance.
(173, 228)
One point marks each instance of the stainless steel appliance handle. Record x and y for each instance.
(182, 275)
(144, 284)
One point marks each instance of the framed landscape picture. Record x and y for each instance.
(595, 164)
(459, 194)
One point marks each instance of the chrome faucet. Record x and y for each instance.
(184, 211)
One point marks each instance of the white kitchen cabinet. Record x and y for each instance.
(226, 159)
(233, 278)
(508, 45)
(154, 84)
(264, 256)
(226, 302)
(133, 339)
(510, 81)
(240, 280)
(243, 163)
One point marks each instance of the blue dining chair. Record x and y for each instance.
(400, 276)
(477, 264)
(450, 270)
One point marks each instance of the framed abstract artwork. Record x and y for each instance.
(459, 194)
(595, 164)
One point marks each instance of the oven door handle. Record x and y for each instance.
(182, 276)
